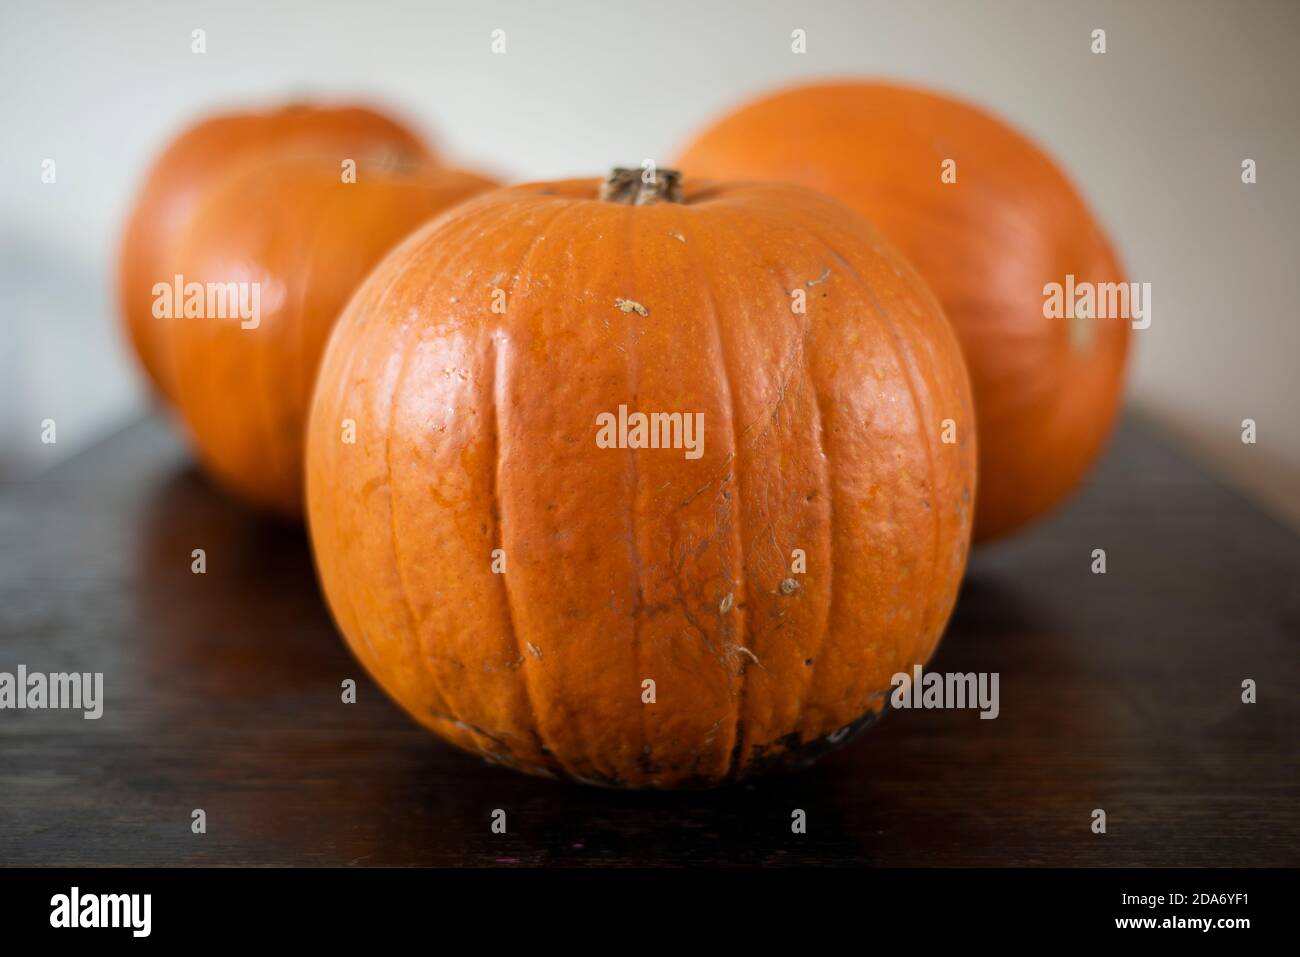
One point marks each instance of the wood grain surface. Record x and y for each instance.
(1119, 691)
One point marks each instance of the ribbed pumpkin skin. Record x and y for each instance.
(1046, 390)
(205, 152)
(309, 239)
(477, 431)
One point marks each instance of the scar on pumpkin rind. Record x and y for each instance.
(631, 305)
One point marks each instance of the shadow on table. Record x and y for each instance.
(254, 621)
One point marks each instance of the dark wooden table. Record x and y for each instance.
(1119, 691)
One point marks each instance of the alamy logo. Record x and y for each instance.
(1106, 300)
(82, 691)
(103, 910)
(179, 299)
(936, 689)
(654, 430)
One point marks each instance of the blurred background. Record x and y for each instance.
(1154, 131)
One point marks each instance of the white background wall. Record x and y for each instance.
(1154, 131)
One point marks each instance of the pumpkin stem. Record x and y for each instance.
(628, 186)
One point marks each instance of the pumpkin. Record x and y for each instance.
(542, 565)
(269, 258)
(201, 155)
(1047, 390)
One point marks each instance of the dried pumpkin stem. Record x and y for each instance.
(629, 187)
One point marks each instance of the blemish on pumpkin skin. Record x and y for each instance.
(630, 305)
(820, 279)
(712, 733)
(678, 236)
(498, 740)
(789, 586)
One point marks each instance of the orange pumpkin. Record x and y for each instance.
(544, 578)
(1046, 390)
(201, 155)
(269, 258)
